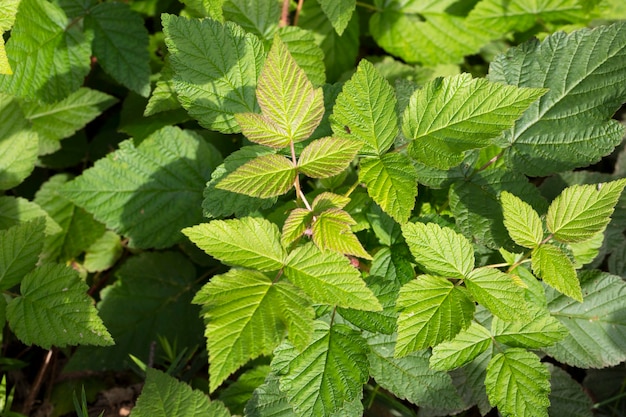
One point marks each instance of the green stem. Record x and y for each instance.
(352, 188)
(609, 401)
(368, 6)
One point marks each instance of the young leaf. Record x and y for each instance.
(18, 144)
(521, 220)
(150, 191)
(339, 12)
(19, 253)
(263, 177)
(328, 374)
(539, 331)
(5, 67)
(555, 269)
(498, 292)
(455, 114)
(329, 278)
(439, 250)
(307, 54)
(247, 242)
(295, 226)
(260, 17)
(121, 45)
(432, 310)
(581, 211)
(391, 181)
(331, 230)
(570, 126)
(327, 200)
(213, 83)
(54, 309)
(328, 156)
(466, 346)
(103, 253)
(366, 110)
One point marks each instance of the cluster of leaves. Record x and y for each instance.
(368, 224)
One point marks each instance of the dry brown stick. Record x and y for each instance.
(298, 10)
(30, 400)
(284, 17)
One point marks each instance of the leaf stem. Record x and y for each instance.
(491, 162)
(284, 16)
(299, 194)
(352, 188)
(368, 6)
(298, 10)
(30, 400)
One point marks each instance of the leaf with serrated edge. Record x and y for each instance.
(264, 176)
(567, 397)
(539, 331)
(18, 144)
(439, 250)
(260, 17)
(518, 384)
(521, 220)
(498, 292)
(391, 181)
(19, 252)
(247, 242)
(328, 156)
(455, 114)
(365, 110)
(555, 269)
(329, 372)
(339, 12)
(331, 230)
(295, 226)
(581, 211)
(432, 310)
(5, 67)
(14, 210)
(466, 346)
(328, 200)
(54, 309)
(329, 278)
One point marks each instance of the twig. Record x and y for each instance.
(30, 400)
(298, 10)
(284, 16)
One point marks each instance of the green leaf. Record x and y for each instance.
(498, 292)
(268, 401)
(432, 310)
(439, 250)
(15, 210)
(518, 384)
(19, 253)
(206, 8)
(18, 144)
(248, 242)
(5, 67)
(307, 54)
(213, 83)
(61, 120)
(49, 57)
(121, 45)
(410, 377)
(567, 397)
(464, 348)
(329, 278)
(521, 220)
(295, 226)
(339, 12)
(555, 269)
(8, 10)
(451, 115)
(537, 332)
(581, 211)
(236, 395)
(570, 126)
(328, 373)
(391, 181)
(259, 17)
(366, 110)
(393, 263)
(263, 177)
(328, 156)
(331, 230)
(54, 309)
(103, 253)
(163, 395)
(151, 191)
(597, 326)
(246, 317)
(327, 200)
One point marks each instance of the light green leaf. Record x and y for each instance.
(439, 250)
(121, 45)
(163, 97)
(213, 83)
(244, 315)
(521, 220)
(581, 211)
(518, 384)
(391, 181)
(5, 67)
(587, 251)
(248, 242)
(15, 210)
(263, 177)
(236, 395)
(537, 332)
(567, 397)
(555, 269)
(466, 346)
(597, 326)
(328, 156)
(307, 54)
(54, 309)
(18, 144)
(206, 8)
(19, 252)
(163, 396)
(331, 230)
(327, 200)
(328, 374)
(295, 226)
(499, 292)
(410, 377)
(451, 115)
(366, 110)
(49, 57)
(60, 120)
(8, 10)
(570, 126)
(329, 278)
(151, 191)
(432, 310)
(103, 253)
(339, 12)
(259, 17)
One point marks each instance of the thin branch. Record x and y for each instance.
(491, 162)
(298, 10)
(284, 16)
(34, 391)
(299, 194)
